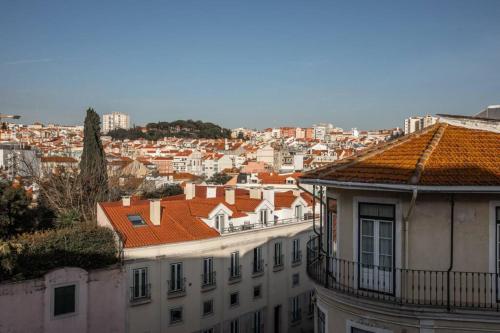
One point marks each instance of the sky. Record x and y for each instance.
(256, 64)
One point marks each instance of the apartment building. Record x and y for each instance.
(115, 120)
(215, 259)
(414, 124)
(409, 240)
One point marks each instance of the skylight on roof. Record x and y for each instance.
(136, 220)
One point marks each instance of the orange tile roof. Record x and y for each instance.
(440, 155)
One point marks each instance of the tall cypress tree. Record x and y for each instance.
(93, 170)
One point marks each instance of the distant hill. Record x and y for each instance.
(179, 128)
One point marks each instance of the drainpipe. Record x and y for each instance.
(406, 222)
(452, 224)
(314, 206)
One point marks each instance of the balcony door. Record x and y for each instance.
(376, 247)
(498, 251)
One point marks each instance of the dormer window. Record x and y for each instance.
(219, 222)
(136, 220)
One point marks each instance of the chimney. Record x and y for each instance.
(190, 191)
(296, 192)
(230, 195)
(211, 192)
(155, 211)
(126, 200)
(268, 194)
(255, 193)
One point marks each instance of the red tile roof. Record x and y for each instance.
(440, 155)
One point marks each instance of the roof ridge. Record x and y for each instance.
(377, 149)
(422, 161)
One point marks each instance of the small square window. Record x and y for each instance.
(175, 315)
(234, 299)
(64, 300)
(208, 307)
(136, 220)
(295, 279)
(257, 291)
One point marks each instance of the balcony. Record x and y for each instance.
(208, 281)
(256, 226)
(176, 288)
(296, 258)
(449, 291)
(234, 274)
(278, 263)
(140, 295)
(257, 268)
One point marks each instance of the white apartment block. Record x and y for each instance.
(215, 260)
(414, 124)
(115, 120)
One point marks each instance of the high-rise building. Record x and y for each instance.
(115, 120)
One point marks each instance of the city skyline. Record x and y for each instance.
(249, 65)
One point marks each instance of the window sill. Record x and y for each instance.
(140, 301)
(278, 268)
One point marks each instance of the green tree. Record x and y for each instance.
(93, 167)
(219, 178)
(166, 190)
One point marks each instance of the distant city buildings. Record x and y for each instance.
(115, 120)
(414, 124)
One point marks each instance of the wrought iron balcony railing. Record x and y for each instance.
(208, 280)
(259, 225)
(258, 267)
(234, 273)
(176, 288)
(409, 287)
(140, 293)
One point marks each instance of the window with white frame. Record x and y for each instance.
(376, 246)
(208, 271)
(257, 322)
(176, 278)
(331, 227)
(298, 212)
(234, 269)
(321, 320)
(219, 222)
(278, 254)
(263, 216)
(295, 309)
(258, 262)
(140, 287)
(296, 250)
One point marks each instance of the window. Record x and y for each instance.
(176, 315)
(208, 276)
(234, 269)
(310, 304)
(295, 309)
(176, 279)
(208, 330)
(295, 279)
(263, 216)
(331, 227)
(219, 222)
(64, 300)
(278, 256)
(321, 321)
(376, 246)
(136, 220)
(257, 321)
(234, 326)
(498, 248)
(140, 287)
(258, 263)
(298, 212)
(296, 255)
(208, 307)
(257, 291)
(234, 299)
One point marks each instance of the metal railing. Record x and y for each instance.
(296, 257)
(176, 286)
(408, 287)
(234, 273)
(278, 261)
(208, 280)
(141, 293)
(260, 225)
(295, 316)
(258, 267)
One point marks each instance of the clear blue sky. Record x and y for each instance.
(365, 64)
